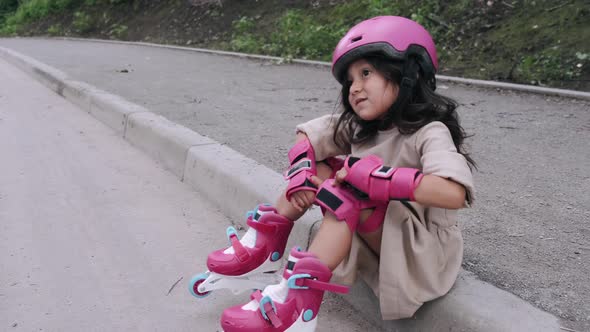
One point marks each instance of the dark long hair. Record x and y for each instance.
(422, 107)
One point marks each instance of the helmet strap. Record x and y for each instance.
(406, 89)
(408, 82)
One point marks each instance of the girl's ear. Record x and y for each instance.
(395, 88)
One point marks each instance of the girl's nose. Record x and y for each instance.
(355, 87)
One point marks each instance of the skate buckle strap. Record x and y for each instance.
(307, 281)
(264, 228)
(267, 308)
(241, 253)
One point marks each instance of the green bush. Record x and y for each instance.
(54, 30)
(550, 66)
(297, 35)
(82, 22)
(105, 2)
(313, 35)
(59, 5)
(35, 9)
(8, 5)
(243, 39)
(29, 10)
(118, 31)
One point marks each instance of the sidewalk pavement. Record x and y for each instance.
(471, 305)
(96, 236)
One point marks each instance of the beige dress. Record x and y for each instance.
(421, 250)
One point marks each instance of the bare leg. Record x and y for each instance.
(333, 240)
(373, 240)
(285, 208)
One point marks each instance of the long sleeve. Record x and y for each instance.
(439, 156)
(320, 132)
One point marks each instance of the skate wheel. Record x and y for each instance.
(194, 285)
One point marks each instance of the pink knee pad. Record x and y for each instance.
(375, 220)
(343, 203)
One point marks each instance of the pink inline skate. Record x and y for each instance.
(248, 263)
(291, 305)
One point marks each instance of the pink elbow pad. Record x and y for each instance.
(303, 166)
(381, 183)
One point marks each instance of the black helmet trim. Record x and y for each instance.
(385, 49)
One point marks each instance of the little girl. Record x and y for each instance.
(390, 208)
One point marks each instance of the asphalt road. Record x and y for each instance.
(96, 236)
(529, 231)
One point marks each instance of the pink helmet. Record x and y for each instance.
(395, 37)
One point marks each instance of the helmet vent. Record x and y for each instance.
(355, 39)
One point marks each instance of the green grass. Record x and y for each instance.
(313, 34)
(82, 22)
(535, 45)
(30, 10)
(540, 42)
(13, 18)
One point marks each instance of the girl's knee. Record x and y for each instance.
(365, 214)
(372, 219)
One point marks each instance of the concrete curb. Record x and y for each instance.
(442, 78)
(471, 305)
(236, 184)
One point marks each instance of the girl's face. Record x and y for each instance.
(371, 94)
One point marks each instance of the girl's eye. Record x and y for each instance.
(366, 72)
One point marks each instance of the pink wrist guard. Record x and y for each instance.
(303, 166)
(381, 183)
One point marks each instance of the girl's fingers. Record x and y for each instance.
(311, 199)
(300, 203)
(302, 200)
(315, 180)
(294, 202)
(306, 200)
(341, 174)
(339, 177)
(337, 181)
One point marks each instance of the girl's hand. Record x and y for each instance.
(302, 200)
(339, 177)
